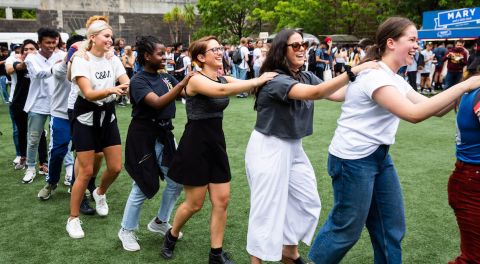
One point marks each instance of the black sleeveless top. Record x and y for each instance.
(203, 107)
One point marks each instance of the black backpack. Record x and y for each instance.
(311, 58)
(237, 56)
(179, 65)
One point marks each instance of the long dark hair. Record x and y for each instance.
(276, 57)
(394, 28)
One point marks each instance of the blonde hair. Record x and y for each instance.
(95, 18)
(95, 24)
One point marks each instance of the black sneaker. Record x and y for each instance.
(168, 247)
(85, 207)
(221, 258)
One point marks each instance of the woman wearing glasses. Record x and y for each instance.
(284, 202)
(201, 162)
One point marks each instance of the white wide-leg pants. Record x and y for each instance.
(284, 201)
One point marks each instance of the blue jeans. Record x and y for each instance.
(172, 191)
(241, 73)
(60, 138)
(3, 86)
(366, 192)
(15, 133)
(452, 78)
(256, 70)
(234, 70)
(36, 125)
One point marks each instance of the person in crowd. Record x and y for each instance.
(10, 71)
(39, 95)
(128, 59)
(311, 59)
(439, 53)
(457, 59)
(180, 67)
(201, 162)
(366, 187)
(341, 59)
(150, 135)
(17, 105)
(412, 70)
(322, 58)
(119, 46)
(60, 136)
(425, 82)
(257, 55)
(243, 67)
(169, 61)
(226, 60)
(283, 188)
(3, 74)
(464, 183)
(95, 79)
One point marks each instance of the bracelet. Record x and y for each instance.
(350, 74)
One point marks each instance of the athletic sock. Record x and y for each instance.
(170, 236)
(216, 251)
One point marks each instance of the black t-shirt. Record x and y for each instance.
(3, 71)
(21, 88)
(142, 84)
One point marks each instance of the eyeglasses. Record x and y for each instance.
(296, 45)
(215, 50)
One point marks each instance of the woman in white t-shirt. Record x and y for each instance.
(366, 188)
(95, 126)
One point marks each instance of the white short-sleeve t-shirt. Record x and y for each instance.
(102, 73)
(364, 125)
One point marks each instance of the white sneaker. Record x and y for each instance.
(68, 179)
(160, 228)
(129, 240)
(16, 160)
(30, 174)
(100, 203)
(74, 228)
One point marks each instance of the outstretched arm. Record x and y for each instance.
(416, 111)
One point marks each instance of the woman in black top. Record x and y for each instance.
(150, 143)
(201, 162)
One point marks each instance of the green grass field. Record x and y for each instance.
(33, 231)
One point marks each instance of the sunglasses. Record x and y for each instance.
(296, 45)
(215, 50)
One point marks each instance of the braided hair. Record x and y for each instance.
(145, 44)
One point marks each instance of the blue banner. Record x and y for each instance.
(457, 23)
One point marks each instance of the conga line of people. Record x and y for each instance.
(284, 201)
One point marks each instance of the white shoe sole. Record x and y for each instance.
(128, 249)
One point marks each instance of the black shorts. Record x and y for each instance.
(425, 74)
(201, 157)
(339, 67)
(85, 138)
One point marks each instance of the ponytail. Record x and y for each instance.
(373, 54)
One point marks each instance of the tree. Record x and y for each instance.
(173, 19)
(189, 16)
(226, 18)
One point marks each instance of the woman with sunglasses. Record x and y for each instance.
(200, 162)
(284, 201)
